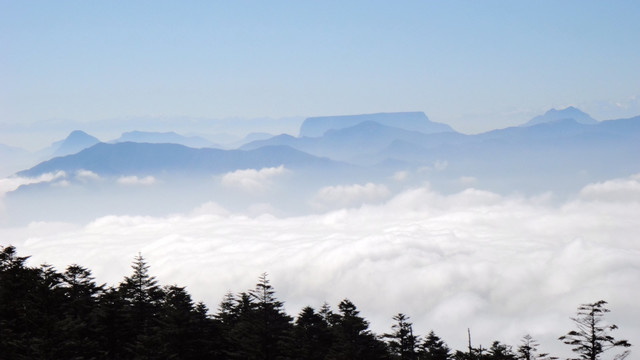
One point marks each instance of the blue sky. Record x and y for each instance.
(475, 65)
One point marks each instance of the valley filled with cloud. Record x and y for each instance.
(501, 265)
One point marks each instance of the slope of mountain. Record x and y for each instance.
(413, 121)
(131, 158)
(563, 114)
(164, 138)
(251, 137)
(76, 141)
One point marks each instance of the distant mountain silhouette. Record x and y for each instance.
(131, 158)
(413, 121)
(350, 143)
(564, 114)
(255, 136)
(165, 138)
(76, 141)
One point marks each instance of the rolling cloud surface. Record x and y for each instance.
(503, 266)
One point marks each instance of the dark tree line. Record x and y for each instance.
(45, 314)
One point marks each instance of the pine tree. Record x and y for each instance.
(402, 343)
(18, 284)
(271, 324)
(592, 336)
(528, 350)
(352, 338)
(311, 336)
(499, 351)
(80, 313)
(143, 296)
(434, 348)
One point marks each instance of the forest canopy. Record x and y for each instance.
(47, 314)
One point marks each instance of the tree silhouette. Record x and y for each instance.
(402, 343)
(352, 337)
(311, 337)
(528, 350)
(592, 336)
(434, 348)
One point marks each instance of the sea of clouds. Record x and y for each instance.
(503, 266)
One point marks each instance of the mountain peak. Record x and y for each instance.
(562, 114)
(76, 141)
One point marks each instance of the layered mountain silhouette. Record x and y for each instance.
(131, 158)
(570, 113)
(165, 138)
(540, 155)
(413, 121)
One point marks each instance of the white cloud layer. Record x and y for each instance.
(86, 175)
(14, 182)
(331, 197)
(251, 179)
(502, 266)
(134, 180)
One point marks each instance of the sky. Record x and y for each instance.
(473, 65)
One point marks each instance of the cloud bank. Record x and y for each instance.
(252, 180)
(502, 266)
(134, 180)
(330, 197)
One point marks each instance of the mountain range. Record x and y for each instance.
(553, 146)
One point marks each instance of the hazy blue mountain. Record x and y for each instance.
(255, 136)
(545, 156)
(165, 138)
(564, 114)
(355, 142)
(76, 141)
(414, 121)
(131, 158)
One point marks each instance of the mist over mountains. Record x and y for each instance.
(482, 223)
(559, 151)
(334, 162)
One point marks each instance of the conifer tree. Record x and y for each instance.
(592, 336)
(352, 338)
(528, 350)
(434, 348)
(311, 337)
(499, 351)
(143, 296)
(80, 312)
(401, 342)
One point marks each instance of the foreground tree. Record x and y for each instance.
(592, 336)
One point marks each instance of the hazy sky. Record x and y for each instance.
(475, 65)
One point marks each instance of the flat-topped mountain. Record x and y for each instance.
(413, 121)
